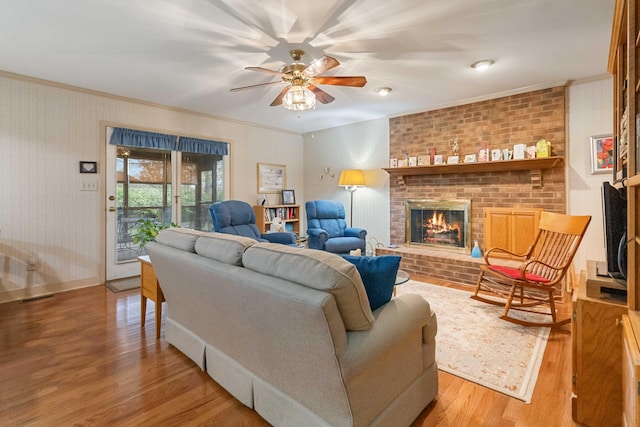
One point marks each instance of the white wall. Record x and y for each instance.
(364, 146)
(45, 130)
(590, 112)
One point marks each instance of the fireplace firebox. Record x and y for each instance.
(444, 224)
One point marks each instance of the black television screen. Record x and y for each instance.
(614, 209)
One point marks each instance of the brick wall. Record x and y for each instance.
(501, 123)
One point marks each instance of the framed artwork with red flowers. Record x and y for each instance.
(601, 154)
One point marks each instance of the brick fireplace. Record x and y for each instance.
(500, 123)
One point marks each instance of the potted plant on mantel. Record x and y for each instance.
(148, 230)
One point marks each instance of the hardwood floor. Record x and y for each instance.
(81, 358)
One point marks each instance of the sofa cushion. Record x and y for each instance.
(318, 270)
(226, 248)
(179, 238)
(378, 274)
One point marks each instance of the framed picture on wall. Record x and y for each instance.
(288, 197)
(271, 178)
(88, 167)
(601, 154)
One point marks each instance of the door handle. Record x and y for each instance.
(112, 198)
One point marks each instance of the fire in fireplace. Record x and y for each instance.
(440, 223)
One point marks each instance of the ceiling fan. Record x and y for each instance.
(301, 80)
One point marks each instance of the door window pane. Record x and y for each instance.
(199, 189)
(143, 192)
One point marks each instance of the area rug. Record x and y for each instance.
(120, 285)
(475, 344)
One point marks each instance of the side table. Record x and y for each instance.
(149, 288)
(302, 241)
(401, 277)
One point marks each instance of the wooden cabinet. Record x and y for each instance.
(510, 229)
(630, 371)
(597, 359)
(289, 214)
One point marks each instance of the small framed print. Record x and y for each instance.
(496, 154)
(437, 159)
(288, 197)
(88, 167)
(519, 151)
(421, 160)
(453, 160)
(393, 163)
(470, 158)
(413, 161)
(601, 154)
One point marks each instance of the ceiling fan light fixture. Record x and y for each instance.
(482, 64)
(299, 98)
(383, 91)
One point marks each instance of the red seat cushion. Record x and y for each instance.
(514, 273)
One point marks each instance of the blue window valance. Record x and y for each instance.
(202, 146)
(140, 138)
(161, 141)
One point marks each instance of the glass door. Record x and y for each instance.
(153, 186)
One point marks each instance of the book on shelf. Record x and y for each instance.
(284, 213)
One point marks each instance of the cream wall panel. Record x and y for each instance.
(45, 130)
(590, 113)
(364, 146)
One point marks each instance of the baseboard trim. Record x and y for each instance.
(33, 292)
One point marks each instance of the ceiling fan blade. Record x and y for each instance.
(321, 95)
(357, 81)
(237, 89)
(264, 70)
(321, 65)
(278, 100)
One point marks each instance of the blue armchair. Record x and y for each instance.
(237, 217)
(327, 229)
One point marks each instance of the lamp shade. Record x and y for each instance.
(351, 177)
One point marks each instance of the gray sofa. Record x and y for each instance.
(289, 331)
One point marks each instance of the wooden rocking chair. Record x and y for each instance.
(543, 266)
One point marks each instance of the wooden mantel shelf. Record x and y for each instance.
(496, 166)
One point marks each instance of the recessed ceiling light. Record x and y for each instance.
(383, 91)
(483, 64)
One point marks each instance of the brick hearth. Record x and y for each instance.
(439, 264)
(450, 266)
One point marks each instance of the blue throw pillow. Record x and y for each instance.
(378, 274)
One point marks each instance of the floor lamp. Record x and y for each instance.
(351, 179)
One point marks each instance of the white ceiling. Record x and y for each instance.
(189, 53)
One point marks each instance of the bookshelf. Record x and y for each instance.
(289, 214)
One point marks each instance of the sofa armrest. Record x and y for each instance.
(395, 322)
(355, 232)
(284, 238)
